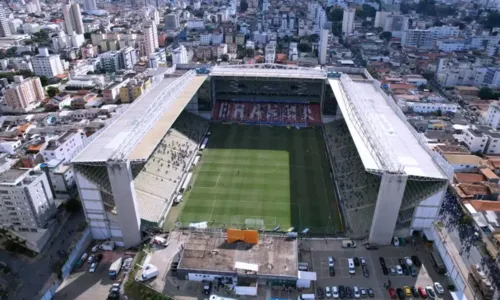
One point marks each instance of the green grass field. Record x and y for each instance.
(274, 174)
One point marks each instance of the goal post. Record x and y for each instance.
(253, 222)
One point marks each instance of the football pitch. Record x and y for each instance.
(255, 176)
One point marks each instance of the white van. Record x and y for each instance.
(352, 269)
(328, 292)
(306, 296)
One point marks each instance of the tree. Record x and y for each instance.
(52, 91)
(224, 57)
(302, 47)
(366, 11)
(44, 80)
(249, 52)
(243, 6)
(493, 20)
(313, 38)
(429, 75)
(386, 35)
(336, 14)
(73, 205)
(487, 94)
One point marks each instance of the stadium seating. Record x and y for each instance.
(268, 113)
(358, 189)
(165, 168)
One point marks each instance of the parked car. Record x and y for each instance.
(408, 261)
(365, 271)
(407, 290)
(320, 292)
(416, 261)
(328, 292)
(348, 244)
(439, 288)
(414, 292)
(356, 262)
(401, 294)
(207, 287)
(371, 293)
(331, 270)
(392, 293)
(430, 292)
(91, 259)
(93, 267)
(413, 271)
(406, 272)
(399, 270)
(363, 293)
(349, 292)
(84, 256)
(394, 271)
(395, 241)
(357, 294)
(382, 261)
(335, 292)
(341, 291)
(385, 270)
(363, 261)
(422, 292)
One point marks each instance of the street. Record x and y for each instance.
(34, 273)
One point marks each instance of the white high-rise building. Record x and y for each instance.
(150, 37)
(270, 55)
(27, 206)
(348, 21)
(156, 17)
(179, 55)
(494, 115)
(89, 5)
(4, 25)
(37, 5)
(380, 18)
(73, 18)
(323, 42)
(45, 64)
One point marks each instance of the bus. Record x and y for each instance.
(437, 262)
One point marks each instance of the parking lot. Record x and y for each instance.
(316, 254)
(82, 284)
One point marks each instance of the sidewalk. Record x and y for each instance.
(454, 253)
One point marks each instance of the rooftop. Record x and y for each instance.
(11, 176)
(469, 177)
(397, 140)
(125, 128)
(457, 159)
(273, 255)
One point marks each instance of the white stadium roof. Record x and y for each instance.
(137, 132)
(396, 143)
(267, 70)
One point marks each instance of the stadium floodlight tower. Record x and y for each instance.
(105, 169)
(412, 178)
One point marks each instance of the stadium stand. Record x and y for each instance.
(161, 174)
(358, 189)
(268, 113)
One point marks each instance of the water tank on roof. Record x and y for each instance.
(51, 121)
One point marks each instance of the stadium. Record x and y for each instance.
(263, 146)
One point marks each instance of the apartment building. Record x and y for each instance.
(73, 19)
(4, 25)
(150, 37)
(64, 147)
(172, 21)
(483, 139)
(396, 24)
(27, 206)
(24, 94)
(431, 107)
(348, 21)
(110, 61)
(45, 64)
(134, 89)
(493, 117)
(270, 53)
(128, 58)
(62, 178)
(417, 38)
